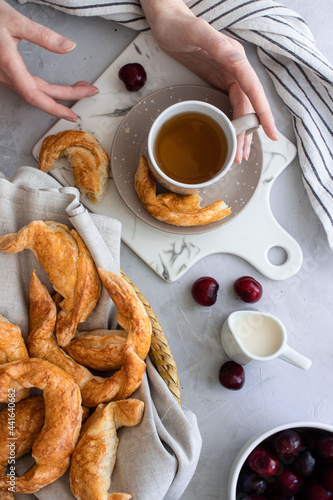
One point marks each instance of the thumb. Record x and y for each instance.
(42, 36)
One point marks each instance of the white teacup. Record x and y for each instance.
(247, 123)
(253, 335)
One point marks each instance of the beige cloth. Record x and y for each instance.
(156, 459)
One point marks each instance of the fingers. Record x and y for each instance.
(21, 27)
(42, 101)
(39, 93)
(14, 74)
(45, 37)
(253, 89)
(247, 146)
(241, 105)
(244, 143)
(240, 149)
(233, 61)
(73, 92)
(44, 96)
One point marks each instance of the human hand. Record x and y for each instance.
(215, 57)
(15, 27)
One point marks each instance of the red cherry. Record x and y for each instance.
(255, 497)
(287, 444)
(289, 482)
(263, 462)
(310, 438)
(325, 448)
(204, 291)
(299, 461)
(305, 463)
(281, 497)
(133, 75)
(248, 289)
(250, 482)
(232, 375)
(316, 491)
(328, 477)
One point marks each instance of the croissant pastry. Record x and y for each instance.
(21, 424)
(42, 344)
(172, 208)
(103, 350)
(28, 421)
(69, 266)
(89, 162)
(98, 349)
(12, 345)
(94, 457)
(12, 348)
(63, 416)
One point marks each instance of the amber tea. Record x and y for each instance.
(191, 148)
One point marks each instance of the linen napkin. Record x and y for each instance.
(156, 459)
(302, 76)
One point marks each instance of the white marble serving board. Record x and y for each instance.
(250, 235)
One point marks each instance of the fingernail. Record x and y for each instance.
(67, 45)
(93, 92)
(247, 152)
(71, 118)
(276, 134)
(235, 57)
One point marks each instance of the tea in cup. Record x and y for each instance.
(253, 335)
(192, 144)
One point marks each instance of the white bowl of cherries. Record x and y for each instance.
(293, 461)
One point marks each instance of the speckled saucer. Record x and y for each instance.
(236, 188)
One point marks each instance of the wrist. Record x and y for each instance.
(156, 10)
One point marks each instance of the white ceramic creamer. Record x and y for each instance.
(254, 335)
(259, 334)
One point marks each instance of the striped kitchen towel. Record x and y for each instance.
(301, 74)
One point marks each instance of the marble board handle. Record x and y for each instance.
(255, 246)
(255, 232)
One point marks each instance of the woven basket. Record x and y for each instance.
(160, 352)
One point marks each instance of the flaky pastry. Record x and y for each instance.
(69, 266)
(12, 345)
(19, 427)
(98, 349)
(28, 421)
(63, 413)
(89, 162)
(102, 350)
(6, 495)
(94, 457)
(42, 344)
(172, 208)
(12, 348)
